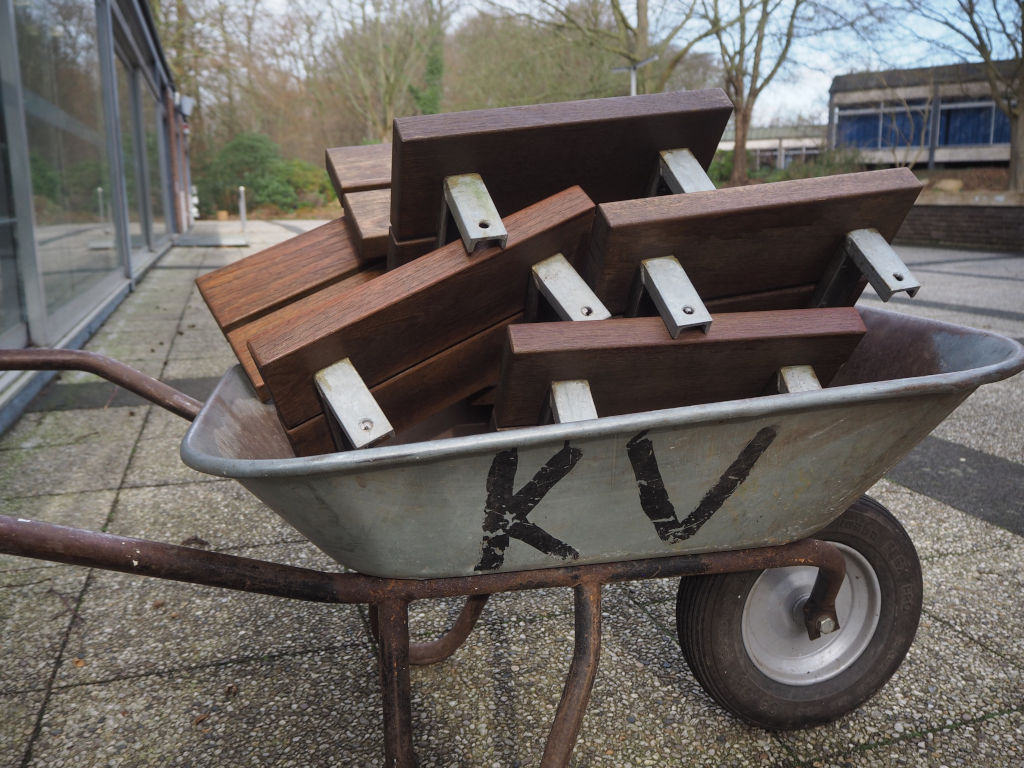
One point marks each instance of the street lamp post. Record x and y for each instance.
(632, 68)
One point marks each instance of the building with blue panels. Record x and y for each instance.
(93, 169)
(930, 117)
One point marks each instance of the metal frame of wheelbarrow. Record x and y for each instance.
(388, 599)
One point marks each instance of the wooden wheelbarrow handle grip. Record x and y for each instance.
(112, 370)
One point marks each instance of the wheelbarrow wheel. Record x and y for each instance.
(744, 639)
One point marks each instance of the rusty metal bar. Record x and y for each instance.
(28, 538)
(393, 624)
(74, 546)
(91, 362)
(434, 651)
(578, 685)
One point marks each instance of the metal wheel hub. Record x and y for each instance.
(773, 632)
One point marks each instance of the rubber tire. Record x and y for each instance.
(709, 611)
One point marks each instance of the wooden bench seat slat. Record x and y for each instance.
(239, 337)
(423, 390)
(247, 289)
(609, 147)
(358, 168)
(743, 240)
(368, 213)
(633, 364)
(411, 313)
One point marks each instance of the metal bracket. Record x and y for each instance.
(865, 253)
(571, 401)
(566, 292)
(681, 172)
(797, 378)
(475, 215)
(354, 407)
(674, 296)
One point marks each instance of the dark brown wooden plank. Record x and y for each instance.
(403, 252)
(312, 437)
(240, 292)
(412, 397)
(745, 239)
(368, 214)
(634, 364)
(411, 313)
(358, 168)
(239, 337)
(607, 146)
(444, 379)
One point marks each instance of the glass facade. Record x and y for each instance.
(84, 187)
(64, 122)
(12, 314)
(155, 152)
(975, 123)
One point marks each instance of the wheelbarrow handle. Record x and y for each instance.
(112, 370)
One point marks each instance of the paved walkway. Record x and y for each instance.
(100, 669)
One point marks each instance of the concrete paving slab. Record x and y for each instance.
(36, 610)
(946, 680)
(990, 742)
(138, 626)
(222, 514)
(979, 596)
(85, 466)
(286, 711)
(18, 715)
(157, 462)
(73, 427)
(938, 529)
(990, 420)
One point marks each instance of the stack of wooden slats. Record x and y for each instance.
(428, 324)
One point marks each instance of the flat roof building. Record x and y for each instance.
(930, 116)
(93, 169)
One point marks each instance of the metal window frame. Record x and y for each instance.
(36, 319)
(111, 114)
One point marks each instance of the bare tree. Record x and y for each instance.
(376, 56)
(992, 31)
(667, 30)
(754, 47)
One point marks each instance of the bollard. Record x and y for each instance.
(241, 206)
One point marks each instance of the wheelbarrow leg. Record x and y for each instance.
(576, 694)
(434, 651)
(393, 625)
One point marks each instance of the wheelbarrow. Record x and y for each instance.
(800, 596)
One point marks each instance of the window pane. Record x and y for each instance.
(970, 125)
(857, 131)
(905, 129)
(1001, 134)
(126, 112)
(67, 151)
(11, 312)
(154, 135)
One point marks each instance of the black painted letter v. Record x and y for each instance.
(654, 498)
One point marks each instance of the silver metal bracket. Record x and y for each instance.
(475, 215)
(353, 406)
(681, 172)
(566, 292)
(571, 401)
(865, 253)
(797, 378)
(674, 296)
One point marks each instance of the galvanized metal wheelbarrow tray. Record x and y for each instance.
(711, 489)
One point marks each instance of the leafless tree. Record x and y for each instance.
(991, 31)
